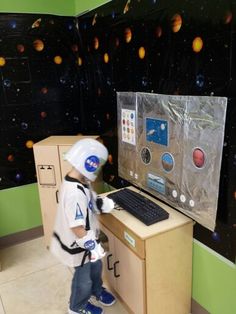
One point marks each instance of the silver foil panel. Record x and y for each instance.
(171, 146)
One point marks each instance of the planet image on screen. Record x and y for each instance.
(146, 155)
(167, 162)
(198, 157)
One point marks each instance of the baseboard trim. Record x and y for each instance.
(21, 237)
(197, 308)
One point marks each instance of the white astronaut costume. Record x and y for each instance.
(77, 207)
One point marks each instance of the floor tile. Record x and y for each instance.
(33, 281)
(116, 308)
(1, 307)
(25, 258)
(43, 292)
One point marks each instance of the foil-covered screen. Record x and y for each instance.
(171, 146)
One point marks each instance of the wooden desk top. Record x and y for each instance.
(175, 220)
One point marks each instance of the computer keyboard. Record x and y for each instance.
(139, 206)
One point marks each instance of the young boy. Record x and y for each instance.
(74, 240)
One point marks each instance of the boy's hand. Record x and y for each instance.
(90, 243)
(107, 205)
(97, 253)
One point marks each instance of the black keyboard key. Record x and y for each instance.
(139, 206)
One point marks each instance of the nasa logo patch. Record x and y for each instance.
(92, 163)
(89, 245)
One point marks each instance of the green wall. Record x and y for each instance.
(58, 7)
(83, 6)
(19, 209)
(214, 281)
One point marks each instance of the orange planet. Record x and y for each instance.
(58, 59)
(176, 23)
(106, 57)
(38, 45)
(29, 144)
(110, 159)
(228, 17)
(197, 44)
(75, 48)
(36, 23)
(117, 42)
(126, 8)
(43, 114)
(141, 52)
(158, 31)
(80, 61)
(2, 61)
(96, 43)
(10, 158)
(128, 35)
(20, 48)
(44, 90)
(94, 21)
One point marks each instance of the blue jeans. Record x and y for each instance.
(87, 281)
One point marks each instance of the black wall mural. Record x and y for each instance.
(39, 93)
(60, 76)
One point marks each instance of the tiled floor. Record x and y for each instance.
(33, 282)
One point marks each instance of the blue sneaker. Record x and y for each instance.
(106, 298)
(89, 309)
(93, 309)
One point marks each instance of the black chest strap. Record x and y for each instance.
(87, 225)
(73, 251)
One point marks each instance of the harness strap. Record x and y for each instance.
(87, 226)
(77, 250)
(66, 248)
(86, 253)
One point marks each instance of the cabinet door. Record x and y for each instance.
(130, 277)
(49, 180)
(48, 201)
(107, 239)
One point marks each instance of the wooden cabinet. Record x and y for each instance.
(125, 272)
(51, 167)
(150, 268)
